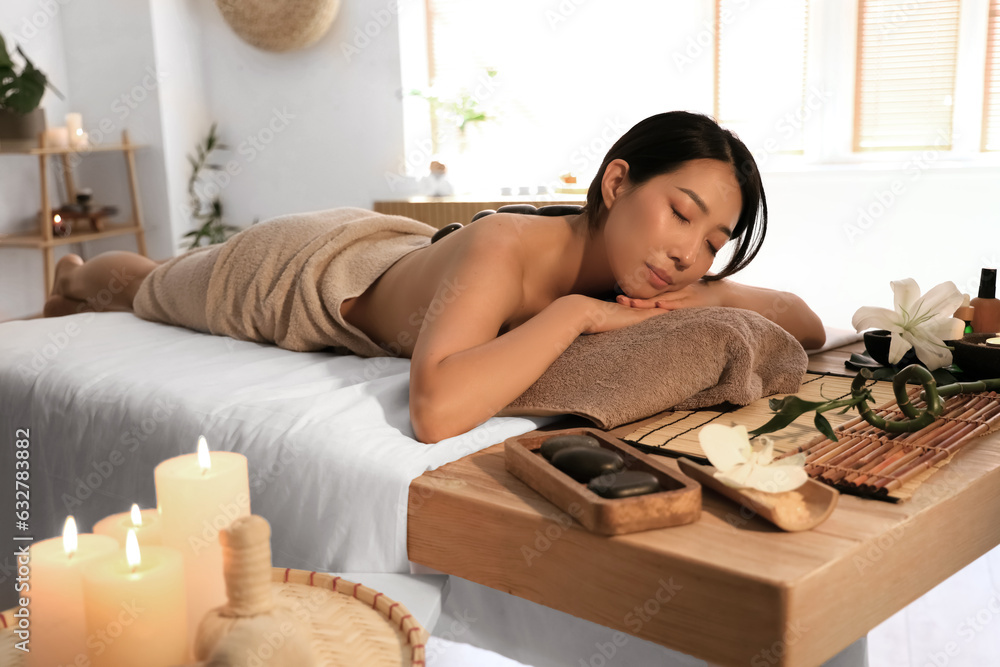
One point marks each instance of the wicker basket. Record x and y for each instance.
(279, 26)
(351, 623)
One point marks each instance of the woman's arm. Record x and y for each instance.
(452, 395)
(461, 372)
(783, 308)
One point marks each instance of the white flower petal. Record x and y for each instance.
(945, 328)
(766, 455)
(898, 346)
(777, 479)
(943, 299)
(868, 317)
(764, 478)
(793, 460)
(904, 294)
(736, 477)
(724, 446)
(931, 351)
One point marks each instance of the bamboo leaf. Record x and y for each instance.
(824, 427)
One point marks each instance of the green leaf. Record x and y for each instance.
(824, 427)
(5, 60)
(788, 410)
(943, 377)
(793, 403)
(778, 422)
(885, 373)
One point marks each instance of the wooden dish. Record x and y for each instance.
(678, 503)
(778, 508)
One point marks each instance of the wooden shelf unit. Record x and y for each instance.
(43, 238)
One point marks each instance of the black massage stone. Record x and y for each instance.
(524, 209)
(557, 443)
(585, 463)
(624, 484)
(482, 214)
(444, 231)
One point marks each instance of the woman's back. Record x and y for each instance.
(422, 284)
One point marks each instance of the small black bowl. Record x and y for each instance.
(877, 344)
(977, 360)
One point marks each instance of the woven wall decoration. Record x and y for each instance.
(279, 26)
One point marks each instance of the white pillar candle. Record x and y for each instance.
(57, 137)
(55, 593)
(79, 140)
(146, 524)
(74, 123)
(135, 608)
(199, 495)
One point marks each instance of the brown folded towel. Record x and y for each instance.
(690, 358)
(283, 281)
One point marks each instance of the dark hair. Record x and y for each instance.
(661, 144)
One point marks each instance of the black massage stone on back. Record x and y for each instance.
(523, 209)
(444, 231)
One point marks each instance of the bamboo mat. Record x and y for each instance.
(893, 465)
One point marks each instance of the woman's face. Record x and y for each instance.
(673, 224)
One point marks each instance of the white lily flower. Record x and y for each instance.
(921, 322)
(739, 465)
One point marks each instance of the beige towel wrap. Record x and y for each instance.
(283, 281)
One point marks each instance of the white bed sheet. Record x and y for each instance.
(328, 438)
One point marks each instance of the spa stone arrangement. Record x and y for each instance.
(192, 581)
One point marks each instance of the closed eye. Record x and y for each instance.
(680, 217)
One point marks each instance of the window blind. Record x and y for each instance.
(760, 73)
(991, 101)
(907, 53)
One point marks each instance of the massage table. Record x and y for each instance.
(336, 471)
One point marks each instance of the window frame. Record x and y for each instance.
(828, 134)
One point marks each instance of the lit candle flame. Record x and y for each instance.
(204, 460)
(69, 536)
(79, 131)
(57, 218)
(136, 515)
(132, 550)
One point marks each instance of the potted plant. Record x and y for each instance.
(21, 119)
(204, 203)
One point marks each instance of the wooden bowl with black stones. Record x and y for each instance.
(678, 501)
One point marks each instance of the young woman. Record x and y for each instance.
(484, 311)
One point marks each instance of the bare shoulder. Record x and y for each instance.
(481, 287)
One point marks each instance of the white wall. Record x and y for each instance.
(39, 32)
(944, 224)
(185, 115)
(308, 129)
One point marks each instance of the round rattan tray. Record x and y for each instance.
(351, 624)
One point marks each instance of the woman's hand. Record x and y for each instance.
(597, 316)
(698, 294)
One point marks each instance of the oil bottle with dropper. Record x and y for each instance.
(986, 318)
